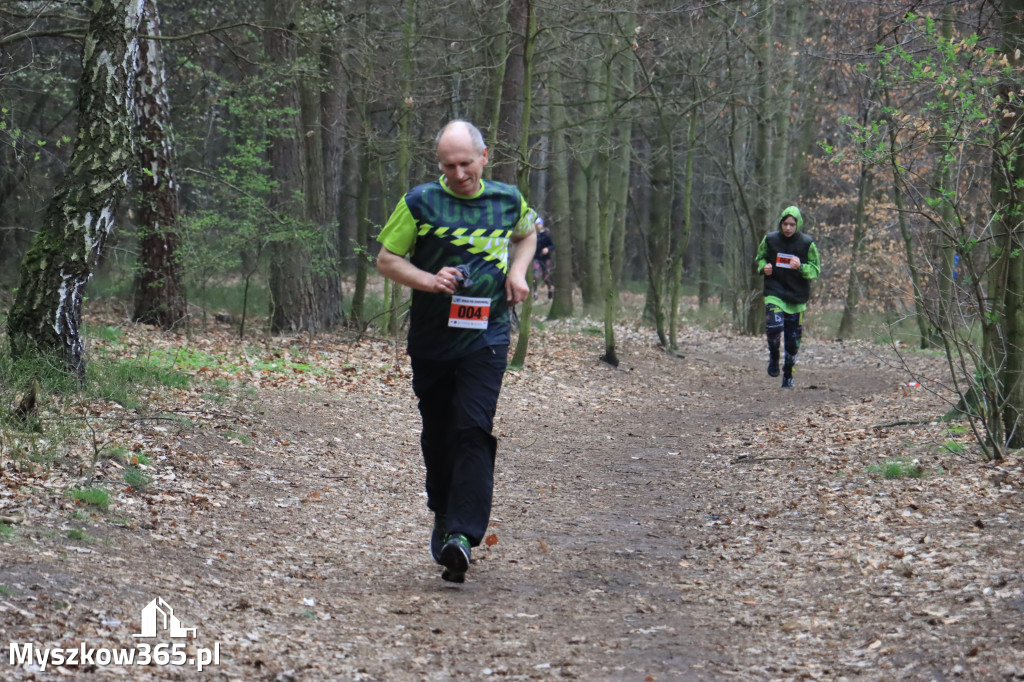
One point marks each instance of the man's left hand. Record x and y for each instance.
(516, 289)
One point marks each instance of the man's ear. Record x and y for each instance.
(484, 156)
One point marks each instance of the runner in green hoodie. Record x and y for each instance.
(788, 259)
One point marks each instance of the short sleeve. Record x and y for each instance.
(527, 219)
(399, 233)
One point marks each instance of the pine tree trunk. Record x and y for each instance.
(325, 266)
(47, 312)
(159, 290)
(301, 300)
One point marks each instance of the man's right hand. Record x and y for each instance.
(768, 269)
(399, 269)
(446, 281)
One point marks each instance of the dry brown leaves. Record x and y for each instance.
(671, 519)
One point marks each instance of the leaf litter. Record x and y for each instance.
(676, 517)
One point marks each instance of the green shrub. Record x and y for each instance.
(118, 453)
(136, 478)
(96, 497)
(898, 469)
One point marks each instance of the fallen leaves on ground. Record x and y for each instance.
(673, 517)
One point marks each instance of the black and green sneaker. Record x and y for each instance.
(437, 535)
(455, 558)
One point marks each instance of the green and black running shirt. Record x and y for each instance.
(437, 228)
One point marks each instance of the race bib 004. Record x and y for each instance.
(469, 313)
(785, 260)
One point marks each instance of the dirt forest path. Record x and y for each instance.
(673, 519)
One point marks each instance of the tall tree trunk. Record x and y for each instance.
(593, 293)
(293, 297)
(924, 328)
(159, 289)
(615, 175)
(325, 272)
(682, 239)
(523, 151)
(505, 156)
(393, 291)
(783, 182)
(622, 159)
(363, 219)
(560, 219)
(1007, 184)
(489, 106)
(348, 217)
(946, 181)
(763, 204)
(659, 237)
(704, 265)
(47, 312)
(609, 292)
(846, 324)
(333, 106)
(589, 219)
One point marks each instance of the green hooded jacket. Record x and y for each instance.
(787, 288)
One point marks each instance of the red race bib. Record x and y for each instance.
(469, 313)
(785, 260)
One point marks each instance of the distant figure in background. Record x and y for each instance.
(542, 259)
(788, 259)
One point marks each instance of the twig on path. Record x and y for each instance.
(903, 422)
(743, 459)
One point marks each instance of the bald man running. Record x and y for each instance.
(449, 240)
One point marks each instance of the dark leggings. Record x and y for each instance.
(457, 400)
(780, 325)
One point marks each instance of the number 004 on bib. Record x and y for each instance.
(469, 313)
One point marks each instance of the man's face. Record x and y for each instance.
(788, 226)
(460, 162)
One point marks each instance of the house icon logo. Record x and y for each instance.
(158, 615)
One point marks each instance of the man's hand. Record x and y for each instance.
(516, 289)
(795, 262)
(767, 269)
(446, 281)
(397, 268)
